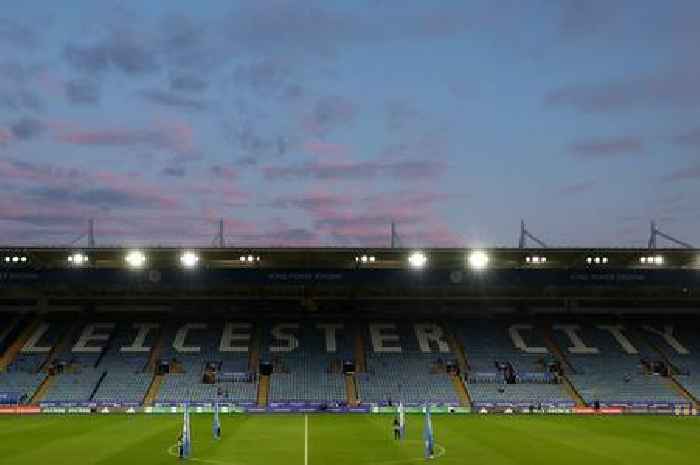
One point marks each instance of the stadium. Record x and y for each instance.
(300, 244)
(304, 354)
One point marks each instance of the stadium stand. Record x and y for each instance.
(399, 370)
(609, 369)
(31, 359)
(304, 370)
(74, 387)
(187, 365)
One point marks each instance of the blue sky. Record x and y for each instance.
(304, 123)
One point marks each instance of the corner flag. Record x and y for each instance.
(216, 425)
(428, 434)
(186, 433)
(402, 420)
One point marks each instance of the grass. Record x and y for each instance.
(351, 439)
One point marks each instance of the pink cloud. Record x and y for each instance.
(175, 136)
(5, 136)
(224, 172)
(325, 149)
(605, 148)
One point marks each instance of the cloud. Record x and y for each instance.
(224, 172)
(310, 202)
(171, 99)
(584, 18)
(400, 114)
(329, 113)
(176, 137)
(311, 27)
(82, 91)
(264, 76)
(188, 83)
(674, 89)
(121, 51)
(576, 188)
(254, 145)
(174, 171)
(683, 174)
(606, 148)
(186, 43)
(325, 150)
(17, 35)
(109, 197)
(27, 128)
(21, 100)
(413, 169)
(688, 139)
(5, 136)
(19, 73)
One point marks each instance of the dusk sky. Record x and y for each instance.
(319, 122)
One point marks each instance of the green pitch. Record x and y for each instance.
(350, 440)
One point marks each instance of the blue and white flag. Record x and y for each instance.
(428, 434)
(186, 433)
(216, 425)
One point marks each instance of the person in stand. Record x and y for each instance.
(397, 429)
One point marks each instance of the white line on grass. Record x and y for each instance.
(306, 440)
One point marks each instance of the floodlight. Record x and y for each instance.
(23, 259)
(643, 260)
(7, 259)
(417, 259)
(372, 259)
(77, 259)
(189, 259)
(478, 260)
(15, 259)
(242, 258)
(659, 260)
(135, 259)
(364, 259)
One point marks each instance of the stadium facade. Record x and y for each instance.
(351, 329)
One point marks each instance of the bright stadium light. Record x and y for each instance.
(135, 259)
(189, 259)
(78, 259)
(478, 260)
(654, 260)
(417, 260)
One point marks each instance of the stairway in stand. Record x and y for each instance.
(456, 348)
(14, 349)
(254, 353)
(153, 390)
(62, 345)
(43, 389)
(263, 390)
(351, 390)
(461, 390)
(360, 357)
(157, 349)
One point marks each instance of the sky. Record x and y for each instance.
(320, 122)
